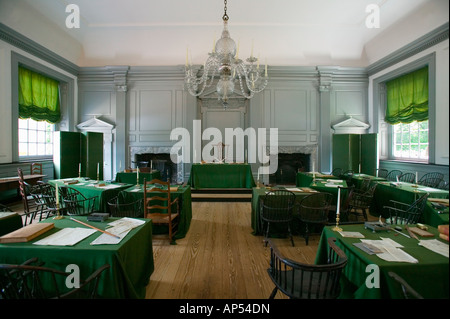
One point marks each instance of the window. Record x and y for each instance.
(410, 141)
(407, 112)
(35, 138)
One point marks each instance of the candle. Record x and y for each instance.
(258, 176)
(137, 175)
(151, 165)
(313, 167)
(98, 168)
(338, 201)
(360, 168)
(120, 165)
(417, 177)
(57, 195)
(266, 68)
(79, 169)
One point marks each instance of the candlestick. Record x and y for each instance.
(266, 68)
(137, 171)
(337, 228)
(58, 214)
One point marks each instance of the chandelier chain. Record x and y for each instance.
(225, 15)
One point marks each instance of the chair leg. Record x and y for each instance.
(290, 235)
(266, 236)
(274, 292)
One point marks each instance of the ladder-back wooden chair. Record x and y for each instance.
(160, 207)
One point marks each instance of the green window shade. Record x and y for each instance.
(407, 98)
(38, 97)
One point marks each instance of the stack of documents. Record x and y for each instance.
(389, 250)
(120, 228)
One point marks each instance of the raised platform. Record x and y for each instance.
(221, 195)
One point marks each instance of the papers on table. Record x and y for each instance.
(389, 250)
(351, 234)
(121, 228)
(66, 237)
(293, 189)
(436, 246)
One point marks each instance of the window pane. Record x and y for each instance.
(35, 138)
(410, 141)
(23, 149)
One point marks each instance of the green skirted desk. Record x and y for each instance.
(185, 202)
(357, 179)
(131, 260)
(90, 188)
(9, 221)
(131, 177)
(405, 193)
(221, 176)
(429, 277)
(258, 194)
(326, 184)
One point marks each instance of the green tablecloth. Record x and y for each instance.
(429, 277)
(9, 221)
(405, 193)
(258, 193)
(435, 217)
(357, 179)
(89, 189)
(131, 260)
(323, 184)
(221, 176)
(131, 178)
(185, 202)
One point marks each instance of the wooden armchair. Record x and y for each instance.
(158, 205)
(27, 280)
(307, 281)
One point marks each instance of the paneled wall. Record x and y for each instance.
(301, 102)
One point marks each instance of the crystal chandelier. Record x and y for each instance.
(224, 62)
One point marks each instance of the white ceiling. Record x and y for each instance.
(283, 32)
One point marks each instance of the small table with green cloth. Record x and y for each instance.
(9, 221)
(304, 179)
(406, 193)
(357, 179)
(221, 176)
(103, 191)
(258, 194)
(185, 205)
(429, 277)
(131, 177)
(323, 184)
(131, 260)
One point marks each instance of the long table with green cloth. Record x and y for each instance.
(131, 260)
(183, 193)
(131, 177)
(221, 176)
(429, 277)
(103, 191)
(406, 193)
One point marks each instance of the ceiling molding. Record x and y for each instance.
(18, 40)
(428, 40)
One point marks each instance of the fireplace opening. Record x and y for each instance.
(288, 166)
(161, 162)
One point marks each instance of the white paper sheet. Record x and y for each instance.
(121, 228)
(390, 250)
(293, 189)
(351, 234)
(436, 246)
(66, 237)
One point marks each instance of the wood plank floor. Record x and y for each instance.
(219, 258)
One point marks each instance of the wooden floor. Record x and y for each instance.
(219, 258)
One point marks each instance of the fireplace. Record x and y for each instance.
(293, 159)
(288, 166)
(159, 158)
